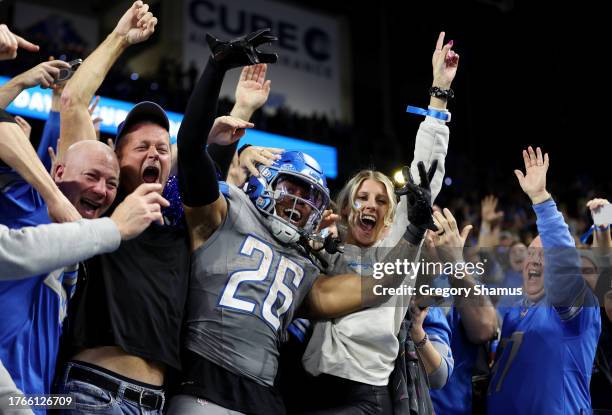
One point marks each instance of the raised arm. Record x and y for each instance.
(42, 74)
(563, 283)
(478, 315)
(490, 219)
(205, 209)
(602, 239)
(51, 130)
(17, 152)
(252, 91)
(433, 135)
(135, 26)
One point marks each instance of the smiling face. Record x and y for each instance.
(144, 155)
(370, 210)
(533, 271)
(88, 176)
(294, 211)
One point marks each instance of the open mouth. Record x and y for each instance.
(534, 274)
(292, 215)
(150, 174)
(367, 222)
(89, 207)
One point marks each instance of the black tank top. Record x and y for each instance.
(134, 297)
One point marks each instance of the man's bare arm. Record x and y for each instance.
(135, 26)
(17, 152)
(335, 296)
(42, 74)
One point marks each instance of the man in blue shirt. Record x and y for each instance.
(33, 308)
(545, 357)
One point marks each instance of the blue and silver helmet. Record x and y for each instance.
(292, 194)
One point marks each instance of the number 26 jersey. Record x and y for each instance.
(244, 289)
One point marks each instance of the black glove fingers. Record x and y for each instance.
(262, 40)
(252, 37)
(212, 41)
(267, 57)
(406, 174)
(253, 55)
(243, 50)
(423, 175)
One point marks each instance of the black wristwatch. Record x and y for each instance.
(447, 94)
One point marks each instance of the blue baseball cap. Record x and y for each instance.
(144, 111)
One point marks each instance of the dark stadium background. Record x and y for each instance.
(531, 72)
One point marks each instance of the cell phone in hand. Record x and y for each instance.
(603, 215)
(66, 73)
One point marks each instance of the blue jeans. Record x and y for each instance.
(91, 399)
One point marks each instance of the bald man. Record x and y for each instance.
(33, 308)
(88, 175)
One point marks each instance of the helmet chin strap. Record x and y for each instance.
(282, 231)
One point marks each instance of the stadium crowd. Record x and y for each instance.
(205, 277)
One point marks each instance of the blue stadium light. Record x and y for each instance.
(448, 181)
(36, 103)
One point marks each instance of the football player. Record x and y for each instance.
(251, 271)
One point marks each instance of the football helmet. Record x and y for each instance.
(292, 194)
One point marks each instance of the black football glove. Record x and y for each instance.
(419, 202)
(241, 51)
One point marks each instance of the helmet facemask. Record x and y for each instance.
(292, 195)
(296, 207)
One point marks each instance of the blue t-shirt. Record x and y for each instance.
(545, 357)
(512, 279)
(32, 308)
(437, 329)
(49, 138)
(456, 396)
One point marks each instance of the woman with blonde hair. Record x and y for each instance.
(355, 354)
(357, 224)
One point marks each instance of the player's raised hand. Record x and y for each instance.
(533, 182)
(252, 90)
(227, 130)
(444, 62)
(241, 51)
(137, 24)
